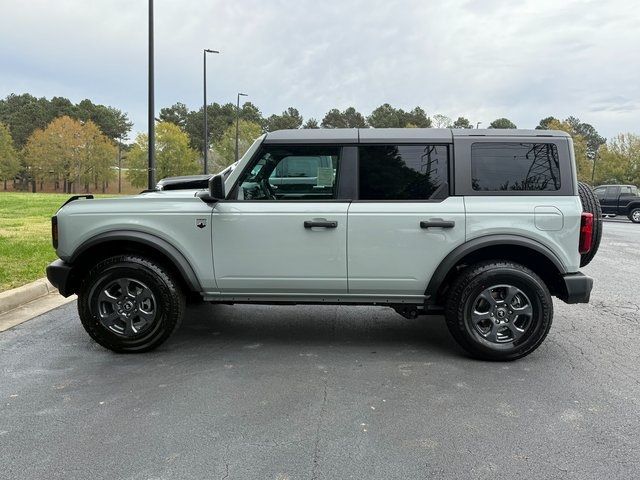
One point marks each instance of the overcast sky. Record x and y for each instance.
(481, 59)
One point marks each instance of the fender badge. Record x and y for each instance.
(201, 222)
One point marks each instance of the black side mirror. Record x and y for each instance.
(216, 187)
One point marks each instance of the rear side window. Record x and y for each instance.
(510, 166)
(403, 172)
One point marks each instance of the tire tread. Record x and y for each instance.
(455, 304)
(172, 297)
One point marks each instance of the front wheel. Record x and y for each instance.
(634, 215)
(499, 310)
(130, 304)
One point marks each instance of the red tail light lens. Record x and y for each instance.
(54, 231)
(586, 232)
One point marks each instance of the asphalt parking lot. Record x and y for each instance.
(329, 393)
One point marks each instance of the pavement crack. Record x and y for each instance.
(316, 447)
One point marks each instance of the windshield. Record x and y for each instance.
(252, 149)
(247, 155)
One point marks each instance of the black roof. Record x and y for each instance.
(396, 135)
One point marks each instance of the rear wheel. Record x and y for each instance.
(591, 204)
(634, 215)
(129, 303)
(499, 310)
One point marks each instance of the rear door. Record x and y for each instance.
(404, 222)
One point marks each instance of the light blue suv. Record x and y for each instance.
(483, 226)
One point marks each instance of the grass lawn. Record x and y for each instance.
(25, 236)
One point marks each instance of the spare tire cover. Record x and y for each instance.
(591, 204)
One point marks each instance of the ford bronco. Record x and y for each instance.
(483, 226)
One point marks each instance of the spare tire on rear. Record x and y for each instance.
(591, 204)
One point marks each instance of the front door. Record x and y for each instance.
(283, 229)
(405, 222)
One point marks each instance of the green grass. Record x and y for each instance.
(25, 236)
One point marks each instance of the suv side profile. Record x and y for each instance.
(483, 226)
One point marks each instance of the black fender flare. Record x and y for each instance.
(159, 244)
(473, 245)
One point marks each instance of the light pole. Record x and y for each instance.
(151, 106)
(593, 171)
(238, 120)
(478, 125)
(204, 108)
(120, 164)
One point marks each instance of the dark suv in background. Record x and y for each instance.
(619, 200)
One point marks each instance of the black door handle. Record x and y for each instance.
(437, 222)
(320, 223)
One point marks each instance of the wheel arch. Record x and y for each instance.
(525, 251)
(130, 241)
(633, 205)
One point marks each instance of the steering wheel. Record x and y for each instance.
(267, 189)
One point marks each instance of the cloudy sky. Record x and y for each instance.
(481, 59)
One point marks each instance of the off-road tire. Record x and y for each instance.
(473, 280)
(634, 215)
(591, 204)
(169, 302)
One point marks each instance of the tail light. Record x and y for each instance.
(54, 231)
(586, 232)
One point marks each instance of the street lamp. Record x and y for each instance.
(151, 107)
(206, 133)
(478, 125)
(593, 171)
(238, 119)
(120, 164)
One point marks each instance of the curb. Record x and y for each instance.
(12, 299)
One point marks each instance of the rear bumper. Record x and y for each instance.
(577, 288)
(59, 274)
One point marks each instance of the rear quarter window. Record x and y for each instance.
(514, 166)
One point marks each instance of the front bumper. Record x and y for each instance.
(576, 288)
(59, 274)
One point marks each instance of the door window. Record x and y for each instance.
(403, 172)
(612, 193)
(292, 173)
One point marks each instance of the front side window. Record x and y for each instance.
(599, 193)
(512, 166)
(403, 172)
(292, 173)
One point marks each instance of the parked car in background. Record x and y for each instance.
(619, 200)
(191, 182)
(184, 182)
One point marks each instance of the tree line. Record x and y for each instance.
(76, 146)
